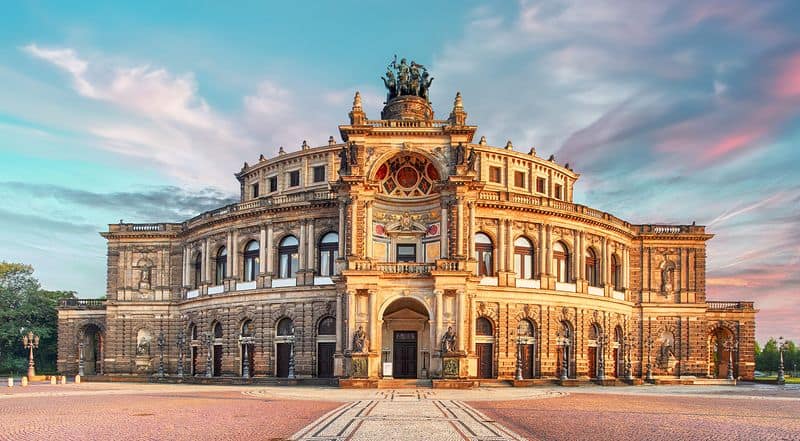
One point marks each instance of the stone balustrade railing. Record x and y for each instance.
(82, 303)
(405, 124)
(729, 306)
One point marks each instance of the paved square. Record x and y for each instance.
(99, 411)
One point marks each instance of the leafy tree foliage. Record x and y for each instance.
(25, 306)
(768, 357)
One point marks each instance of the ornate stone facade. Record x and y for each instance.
(452, 258)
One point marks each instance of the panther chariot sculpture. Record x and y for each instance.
(406, 79)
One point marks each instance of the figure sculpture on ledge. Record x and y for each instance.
(471, 159)
(344, 162)
(360, 341)
(449, 341)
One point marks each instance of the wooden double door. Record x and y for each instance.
(283, 353)
(527, 353)
(325, 353)
(404, 363)
(485, 353)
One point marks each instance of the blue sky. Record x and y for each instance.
(672, 112)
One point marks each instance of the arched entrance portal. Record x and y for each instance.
(92, 339)
(405, 334)
(720, 346)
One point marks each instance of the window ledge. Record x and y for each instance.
(280, 283)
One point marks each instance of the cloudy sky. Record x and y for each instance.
(672, 111)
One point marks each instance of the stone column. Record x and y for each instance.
(234, 269)
(207, 261)
(270, 253)
(462, 317)
(582, 268)
(444, 245)
(353, 229)
(342, 237)
(576, 263)
(604, 263)
(311, 242)
(549, 240)
(373, 322)
(339, 329)
(510, 247)
(472, 325)
(229, 257)
(186, 257)
(471, 237)
(542, 254)
(501, 243)
(460, 227)
(437, 336)
(262, 250)
(302, 247)
(351, 318)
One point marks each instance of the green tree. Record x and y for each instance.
(25, 306)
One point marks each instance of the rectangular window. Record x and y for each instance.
(273, 184)
(519, 179)
(294, 178)
(494, 175)
(406, 252)
(319, 173)
(558, 191)
(254, 190)
(540, 185)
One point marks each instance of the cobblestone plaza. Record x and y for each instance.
(153, 412)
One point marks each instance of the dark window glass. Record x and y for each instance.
(285, 327)
(327, 326)
(558, 191)
(218, 330)
(273, 184)
(319, 173)
(616, 273)
(592, 267)
(221, 264)
(255, 190)
(288, 257)
(251, 261)
(494, 174)
(484, 250)
(483, 326)
(198, 270)
(328, 253)
(406, 252)
(519, 179)
(540, 185)
(247, 328)
(294, 178)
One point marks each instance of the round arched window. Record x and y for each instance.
(285, 327)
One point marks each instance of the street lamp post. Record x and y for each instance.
(291, 356)
(245, 342)
(180, 342)
(80, 358)
(519, 359)
(730, 345)
(649, 342)
(161, 342)
(781, 346)
(30, 342)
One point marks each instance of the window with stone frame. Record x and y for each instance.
(616, 273)
(221, 269)
(495, 174)
(523, 258)
(540, 185)
(288, 258)
(592, 267)
(328, 254)
(319, 173)
(519, 179)
(561, 262)
(251, 261)
(273, 184)
(558, 193)
(254, 190)
(198, 270)
(294, 178)
(484, 254)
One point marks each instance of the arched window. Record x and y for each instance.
(192, 331)
(285, 327)
(525, 329)
(247, 328)
(328, 253)
(616, 273)
(592, 267)
(484, 327)
(327, 326)
(251, 261)
(198, 270)
(561, 260)
(594, 331)
(523, 258)
(218, 330)
(221, 264)
(484, 250)
(288, 258)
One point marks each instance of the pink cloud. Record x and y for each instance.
(787, 81)
(731, 143)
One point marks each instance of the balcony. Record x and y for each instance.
(82, 304)
(730, 306)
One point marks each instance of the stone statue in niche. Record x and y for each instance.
(360, 341)
(666, 358)
(143, 340)
(449, 341)
(667, 276)
(144, 278)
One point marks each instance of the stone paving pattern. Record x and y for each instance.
(99, 411)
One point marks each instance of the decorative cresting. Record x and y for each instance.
(407, 91)
(407, 175)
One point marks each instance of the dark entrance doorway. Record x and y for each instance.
(592, 361)
(405, 354)
(282, 362)
(527, 361)
(325, 359)
(194, 360)
(484, 351)
(217, 360)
